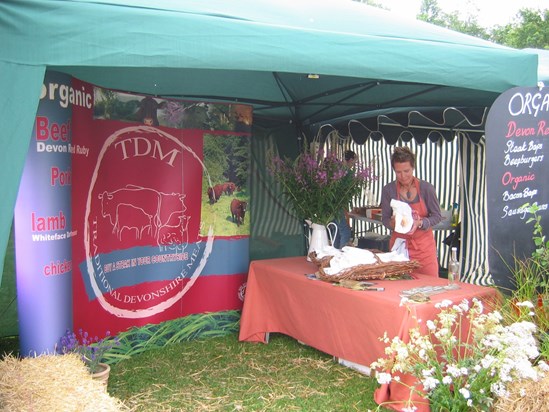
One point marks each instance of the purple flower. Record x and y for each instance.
(319, 187)
(92, 351)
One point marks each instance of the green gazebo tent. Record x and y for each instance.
(301, 64)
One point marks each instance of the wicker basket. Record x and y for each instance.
(379, 270)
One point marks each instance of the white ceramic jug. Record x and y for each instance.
(318, 236)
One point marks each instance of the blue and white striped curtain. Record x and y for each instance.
(474, 227)
(456, 169)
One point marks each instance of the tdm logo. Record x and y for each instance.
(137, 224)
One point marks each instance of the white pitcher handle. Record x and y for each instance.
(310, 224)
(332, 237)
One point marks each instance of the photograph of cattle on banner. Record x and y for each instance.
(225, 203)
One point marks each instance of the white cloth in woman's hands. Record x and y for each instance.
(403, 216)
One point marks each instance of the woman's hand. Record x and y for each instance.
(416, 224)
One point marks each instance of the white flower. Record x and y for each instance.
(442, 333)
(453, 371)
(499, 354)
(458, 309)
(465, 393)
(448, 319)
(543, 366)
(410, 409)
(464, 305)
(383, 378)
(526, 304)
(495, 316)
(444, 304)
(430, 383)
(402, 352)
(428, 372)
(498, 389)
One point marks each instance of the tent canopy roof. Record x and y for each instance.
(367, 62)
(262, 52)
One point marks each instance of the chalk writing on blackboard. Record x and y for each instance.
(517, 128)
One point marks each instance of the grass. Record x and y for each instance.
(223, 374)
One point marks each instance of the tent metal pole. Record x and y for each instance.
(446, 129)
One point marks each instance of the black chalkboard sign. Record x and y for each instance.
(517, 164)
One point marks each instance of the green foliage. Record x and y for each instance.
(215, 159)
(528, 277)
(227, 159)
(109, 106)
(137, 340)
(219, 117)
(372, 3)
(541, 253)
(432, 13)
(239, 167)
(530, 30)
(530, 298)
(237, 151)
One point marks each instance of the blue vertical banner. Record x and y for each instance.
(42, 220)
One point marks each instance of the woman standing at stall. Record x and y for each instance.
(422, 199)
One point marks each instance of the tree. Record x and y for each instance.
(531, 29)
(215, 159)
(432, 13)
(240, 164)
(372, 3)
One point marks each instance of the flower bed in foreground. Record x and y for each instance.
(464, 360)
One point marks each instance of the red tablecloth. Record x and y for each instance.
(341, 322)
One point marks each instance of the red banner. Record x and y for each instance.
(159, 224)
